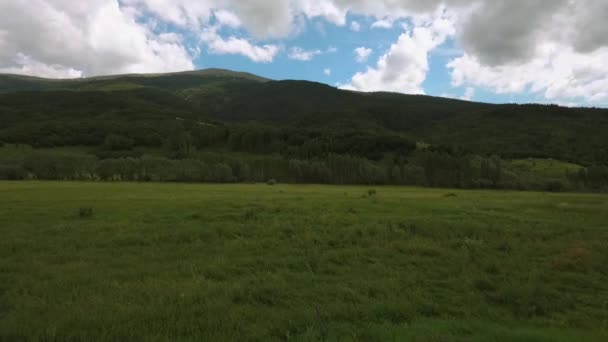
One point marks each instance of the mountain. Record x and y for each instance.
(146, 104)
(169, 81)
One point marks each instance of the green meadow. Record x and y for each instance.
(184, 262)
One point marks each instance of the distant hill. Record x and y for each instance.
(169, 81)
(29, 105)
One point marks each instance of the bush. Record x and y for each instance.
(530, 300)
(117, 154)
(271, 182)
(10, 172)
(554, 186)
(114, 142)
(85, 212)
(371, 192)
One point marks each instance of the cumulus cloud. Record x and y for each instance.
(299, 54)
(327, 71)
(362, 54)
(262, 18)
(265, 18)
(355, 26)
(385, 23)
(227, 18)
(65, 39)
(469, 94)
(238, 46)
(589, 33)
(403, 68)
(26, 65)
(552, 48)
(327, 9)
(507, 31)
(182, 13)
(557, 72)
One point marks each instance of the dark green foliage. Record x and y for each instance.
(554, 186)
(180, 143)
(595, 177)
(60, 166)
(422, 168)
(85, 212)
(115, 142)
(291, 131)
(12, 172)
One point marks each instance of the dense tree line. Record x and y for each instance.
(423, 167)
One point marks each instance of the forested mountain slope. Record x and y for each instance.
(50, 112)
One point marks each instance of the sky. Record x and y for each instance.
(501, 51)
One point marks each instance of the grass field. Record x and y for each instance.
(304, 263)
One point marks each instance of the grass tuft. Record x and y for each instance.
(85, 212)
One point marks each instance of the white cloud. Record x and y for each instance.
(265, 18)
(182, 13)
(227, 18)
(26, 65)
(469, 94)
(65, 39)
(355, 26)
(262, 18)
(385, 23)
(238, 46)
(327, 71)
(300, 54)
(362, 54)
(403, 68)
(327, 9)
(557, 72)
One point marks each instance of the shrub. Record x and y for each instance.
(11, 172)
(554, 186)
(85, 212)
(250, 215)
(371, 192)
(530, 300)
(117, 154)
(114, 142)
(271, 182)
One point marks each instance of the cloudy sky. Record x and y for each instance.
(545, 51)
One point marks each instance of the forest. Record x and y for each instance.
(220, 126)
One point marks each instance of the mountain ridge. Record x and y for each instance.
(140, 103)
(218, 73)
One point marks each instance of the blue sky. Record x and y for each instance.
(318, 34)
(501, 51)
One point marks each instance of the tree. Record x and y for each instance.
(115, 142)
(180, 144)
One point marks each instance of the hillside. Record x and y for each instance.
(169, 81)
(32, 108)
